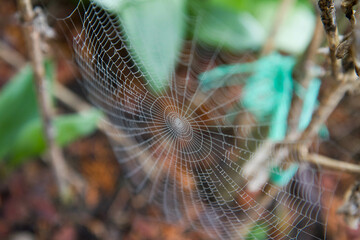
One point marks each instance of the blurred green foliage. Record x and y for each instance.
(20, 124)
(258, 232)
(17, 105)
(231, 29)
(30, 140)
(156, 29)
(245, 25)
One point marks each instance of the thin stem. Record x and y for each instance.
(331, 164)
(303, 73)
(327, 106)
(11, 56)
(356, 44)
(34, 41)
(77, 104)
(279, 19)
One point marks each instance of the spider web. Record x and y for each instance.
(201, 155)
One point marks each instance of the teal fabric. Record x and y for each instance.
(267, 92)
(310, 102)
(281, 177)
(267, 95)
(217, 77)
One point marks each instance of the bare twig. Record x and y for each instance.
(279, 19)
(327, 14)
(11, 56)
(117, 135)
(303, 68)
(303, 73)
(70, 99)
(63, 175)
(331, 164)
(332, 97)
(327, 105)
(255, 170)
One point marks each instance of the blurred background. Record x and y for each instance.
(30, 205)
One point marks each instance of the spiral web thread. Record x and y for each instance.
(188, 149)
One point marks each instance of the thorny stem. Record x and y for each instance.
(347, 7)
(333, 96)
(327, 14)
(356, 45)
(34, 45)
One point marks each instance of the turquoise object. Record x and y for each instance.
(268, 91)
(219, 76)
(281, 177)
(310, 102)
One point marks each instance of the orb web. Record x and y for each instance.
(199, 154)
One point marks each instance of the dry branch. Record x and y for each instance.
(327, 14)
(347, 7)
(356, 44)
(303, 73)
(326, 107)
(331, 164)
(11, 56)
(74, 102)
(64, 176)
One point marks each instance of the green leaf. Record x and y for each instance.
(234, 4)
(18, 105)
(20, 125)
(232, 30)
(30, 141)
(155, 30)
(296, 31)
(253, 7)
(241, 25)
(71, 127)
(111, 5)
